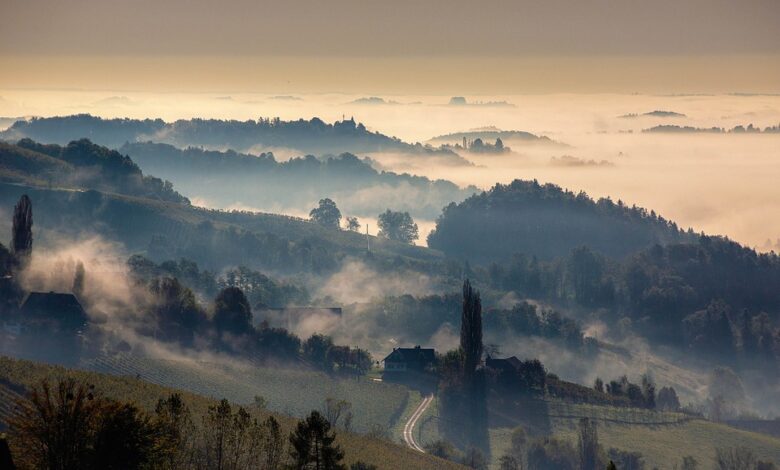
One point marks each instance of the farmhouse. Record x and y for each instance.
(414, 359)
(508, 365)
(63, 309)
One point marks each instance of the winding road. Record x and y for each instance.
(412, 422)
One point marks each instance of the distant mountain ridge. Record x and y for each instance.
(313, 136)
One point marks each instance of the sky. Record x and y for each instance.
(392, 46)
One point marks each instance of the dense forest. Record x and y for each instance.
(260, 181)
(711, 297)
(545, 221)
(312, 136)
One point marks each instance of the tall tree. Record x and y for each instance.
(588, 445)
(232, 312)
(471, 330)
(398, 226)
(22, 239)
(313, 445)
(326, 213)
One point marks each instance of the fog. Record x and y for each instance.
(717, 183)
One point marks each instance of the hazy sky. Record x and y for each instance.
(398, 45)
(390, 27)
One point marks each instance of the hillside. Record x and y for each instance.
(214, 239)
(312, 136)
(545, 221)
(224, 178)
(15, 375)
(80, 165)
(288, 390)
(663, 439)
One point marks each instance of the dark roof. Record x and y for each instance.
(62, 306)
(415, 354)
(504, 364)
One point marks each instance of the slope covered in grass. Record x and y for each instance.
(663, 438)
(293, 392)
(17, 374)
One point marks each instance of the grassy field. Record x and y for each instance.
(293, 392)
(15, 374)
(662, 438)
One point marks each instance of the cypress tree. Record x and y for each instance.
(471, 330)
(21, 243)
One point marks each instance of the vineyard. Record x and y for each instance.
(663, 438)
(293, 392)
(16, 374)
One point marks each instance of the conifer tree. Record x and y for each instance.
(471, 330)
(21, 243)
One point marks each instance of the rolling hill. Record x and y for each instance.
(16, 375)
(312, 136)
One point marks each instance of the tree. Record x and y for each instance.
(22, 239)
(508, 462)
(471, 330)
(326, 214)
(78, 280)
(6, 461)
(338, 412)
(176, 431)
(176, 310)
(474, 458)
(737, 458)
(667, 399)
(588, 445)
(124, 438)
(316, 350)
(398, 226)
(273, 444)
(353, 224)
(549, 453)
(443, 449)
(72, 427)
(313, 445)
(519, 439)
(232, 312)
(627, 460)
(689, 463)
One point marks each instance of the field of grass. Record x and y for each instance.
(15, 373)
(662, 438)
(293, 392)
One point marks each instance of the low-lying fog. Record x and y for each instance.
(718, 183)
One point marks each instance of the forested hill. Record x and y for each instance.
(216, 240)
(80, 165)
(223, 178)
(493, 134)
(312, 136)
(545, 221)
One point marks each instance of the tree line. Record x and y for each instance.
(69, 425)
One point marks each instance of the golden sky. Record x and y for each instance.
(401, 46)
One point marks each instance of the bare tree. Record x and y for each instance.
(736, 458)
